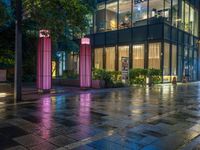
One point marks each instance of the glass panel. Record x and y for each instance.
(123, 52)
(111, 15)
(139, 12)
(191, 64)
(182, 15)
(167, 10)
(191, 25)
(154, 55)
(187, 13)
(166, 67)
(175, 13)
(195, 65)
(98, 58)
(196, 22)
(138, 56)
(156, 8)
(124, 14)
(100, 20)
(174, 60)
(180, 63)
(186, 65)
(110, 58)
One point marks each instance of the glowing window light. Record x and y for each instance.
(3, 95)
(53, 69)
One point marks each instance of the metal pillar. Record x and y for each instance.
(18, 52)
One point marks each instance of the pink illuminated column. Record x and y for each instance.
(85, 63)
(44, 61)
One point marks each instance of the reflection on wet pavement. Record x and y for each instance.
(163, 117)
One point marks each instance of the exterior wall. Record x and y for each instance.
(185, 43)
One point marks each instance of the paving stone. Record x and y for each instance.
(29, 140)
(61, 140)
(44, 146)
(158, 118)
(17, 148)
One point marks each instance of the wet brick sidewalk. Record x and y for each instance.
(163, 117)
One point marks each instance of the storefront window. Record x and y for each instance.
(111, 15)
(110, 58)
(154, 55)
(180, 62)
(123, 51)
(182, 25)
(196, 22)
(98, 58)
(187, 17)
(138, 56)
(167, 10)
(100, 19)
(156, 9)
(186, 63)
(124, 14)
(191, 25)
(195, 65)
(139, 12)
(174, 60)
(166, 67)
(175, 13)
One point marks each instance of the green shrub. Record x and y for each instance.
(111, 78)
(155, 76)
(154, 72)
(100, 74)
(116, 76)
(138, 76)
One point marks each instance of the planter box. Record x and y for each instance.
(66, 82)
(97, 84)
(3, 75)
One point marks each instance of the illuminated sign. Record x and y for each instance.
(85, 72)
(85, 41)
(44, 33)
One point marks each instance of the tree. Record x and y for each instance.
(64, 18)
(3, 14)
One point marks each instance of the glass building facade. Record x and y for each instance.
(160, 34)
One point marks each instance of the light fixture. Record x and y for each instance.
(3, 95)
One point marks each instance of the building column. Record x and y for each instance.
(85, 64)
(44, 66)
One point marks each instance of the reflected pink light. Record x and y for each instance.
(46, 115)
(44, 63)
(85, 63)
(84, 108)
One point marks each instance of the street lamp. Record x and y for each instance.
(18, 52)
